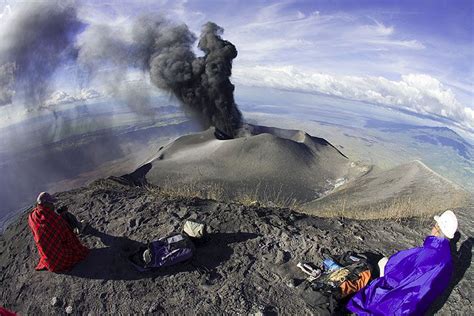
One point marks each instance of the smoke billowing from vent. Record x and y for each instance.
(202, 84)
(34, 41)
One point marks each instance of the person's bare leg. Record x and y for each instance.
(76, 226)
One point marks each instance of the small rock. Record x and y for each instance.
(69, 310)
(285, 237)
(291, 283)
(282, 257)
(55, 301)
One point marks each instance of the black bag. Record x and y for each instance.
(323, 301)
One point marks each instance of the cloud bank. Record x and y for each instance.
(63, 97)
(419, 93)
(359, 55)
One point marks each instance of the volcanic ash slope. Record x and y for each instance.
(411, 189)
(292, 168)
(267, 163)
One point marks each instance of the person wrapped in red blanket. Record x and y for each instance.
(58, 246)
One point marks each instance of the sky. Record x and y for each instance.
(414, 55)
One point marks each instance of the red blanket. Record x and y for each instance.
(6, 312)
(58, 247)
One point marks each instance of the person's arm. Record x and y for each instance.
(62, 209)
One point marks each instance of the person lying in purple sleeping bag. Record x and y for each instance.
(411, 279)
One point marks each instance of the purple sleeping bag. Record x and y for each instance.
(163, 252)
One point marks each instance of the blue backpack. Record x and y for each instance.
(163, 252)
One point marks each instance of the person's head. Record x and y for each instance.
(446, 225)
(46, 199)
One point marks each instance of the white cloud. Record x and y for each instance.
(63, 97)
(420, 93)
(347, 55)
(59, 97)
(88, 94)
(331, 36)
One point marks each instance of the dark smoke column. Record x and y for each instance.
(215, 69)
(202, 84)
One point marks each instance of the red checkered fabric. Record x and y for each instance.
(6, 312)
(58, 247)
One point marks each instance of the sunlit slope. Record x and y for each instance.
(407, 190)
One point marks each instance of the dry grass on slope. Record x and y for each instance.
(395, 208)
(259, 195)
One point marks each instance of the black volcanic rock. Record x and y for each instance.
(247, 265)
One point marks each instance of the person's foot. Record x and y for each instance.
(82, 225)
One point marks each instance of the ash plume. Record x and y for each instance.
(202, 84)
(165, 51)
(36, 39)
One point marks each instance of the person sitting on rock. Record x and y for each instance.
(58, 246)
(412, 279)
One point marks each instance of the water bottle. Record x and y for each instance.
(330, 265)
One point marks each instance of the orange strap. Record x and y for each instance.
(349, 287)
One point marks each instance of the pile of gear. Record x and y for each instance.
(337, 278)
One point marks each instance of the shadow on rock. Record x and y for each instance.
(111, 262)
(462, 261)
(216, 249)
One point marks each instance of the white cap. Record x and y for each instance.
(448, 223)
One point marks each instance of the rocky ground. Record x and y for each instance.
(247, 265)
